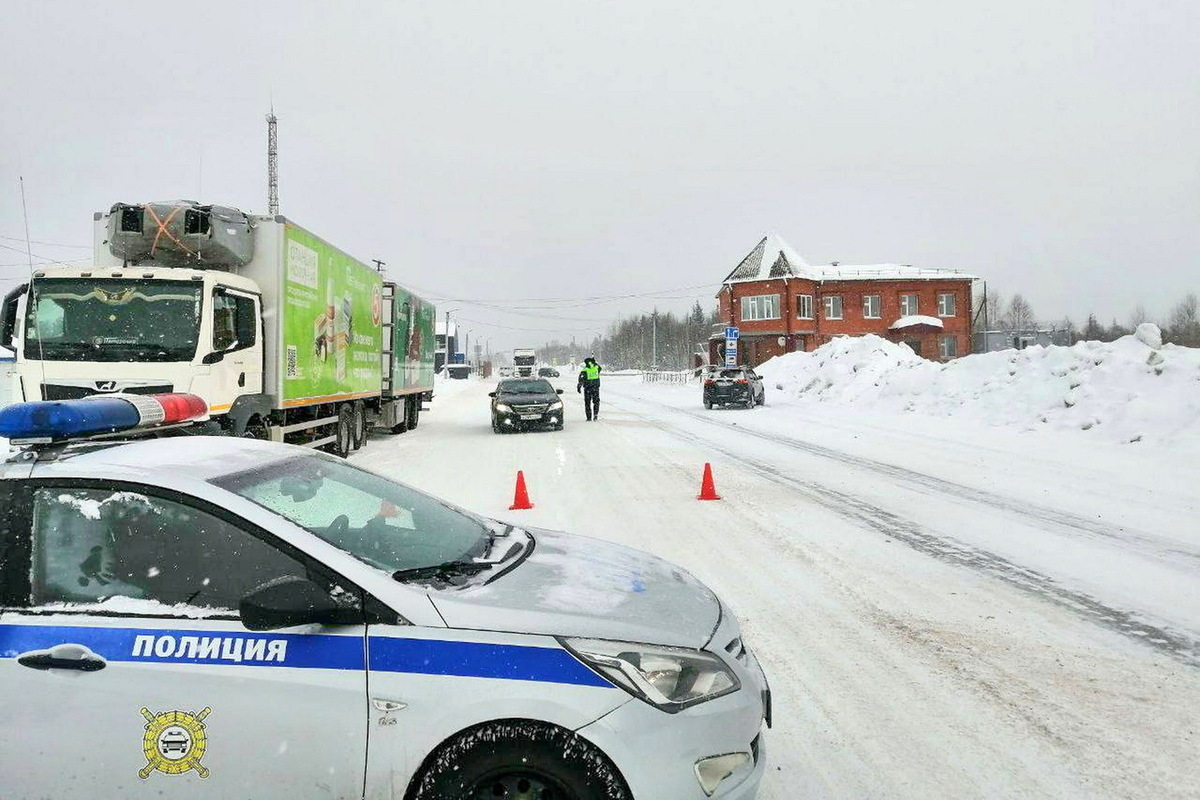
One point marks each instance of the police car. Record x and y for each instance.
(194, 617)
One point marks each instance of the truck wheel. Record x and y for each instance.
(256, 429)
(519, 758)
(358, 424)
(344, 443)
(413, 408)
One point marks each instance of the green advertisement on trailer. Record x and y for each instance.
(331, 327)
(413, 342)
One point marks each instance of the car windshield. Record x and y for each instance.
(105, 319)
(383, 523)
(526, 387)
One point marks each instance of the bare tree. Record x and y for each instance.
(1183, 324)
(1138, 316)
(1020, 315)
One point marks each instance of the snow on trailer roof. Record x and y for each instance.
(772, 258)
(913, 320)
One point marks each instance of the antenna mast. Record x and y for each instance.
(272, 164)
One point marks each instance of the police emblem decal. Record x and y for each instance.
(174, 742)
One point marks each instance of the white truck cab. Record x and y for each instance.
(139, 330)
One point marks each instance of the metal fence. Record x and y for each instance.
(658, 376)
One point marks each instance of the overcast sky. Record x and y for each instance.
(505, 150)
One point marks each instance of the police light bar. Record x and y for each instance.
(57, 420)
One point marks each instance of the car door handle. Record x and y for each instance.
(63, 656)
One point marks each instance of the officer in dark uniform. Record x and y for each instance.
(589, 384)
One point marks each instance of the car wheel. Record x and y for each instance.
(559, 426)
(519, 758)
(750, 402)
(708, 405)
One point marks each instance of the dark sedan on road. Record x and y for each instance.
(521, 403)
(739, 386)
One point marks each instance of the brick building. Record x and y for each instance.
(782, 304)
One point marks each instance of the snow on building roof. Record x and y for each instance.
(772, 257)
(886, 272)
(916, 319)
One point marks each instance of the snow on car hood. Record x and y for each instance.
(577, 586)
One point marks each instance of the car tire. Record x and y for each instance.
(343, 444)
(559, 426)
(518, 758)
(750, 402)
(708, 405)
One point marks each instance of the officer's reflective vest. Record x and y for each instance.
(592, 373)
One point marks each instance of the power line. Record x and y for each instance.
(596, 298)
(50, 244)
(527, 330)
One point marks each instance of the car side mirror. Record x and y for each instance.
(491, 394)
(214, 357)
(287, 601)
(558, 391)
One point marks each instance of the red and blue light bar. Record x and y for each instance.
(59, 420)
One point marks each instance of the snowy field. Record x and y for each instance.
(946, 605)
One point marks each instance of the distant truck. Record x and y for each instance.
(285, 336)
(524, 361)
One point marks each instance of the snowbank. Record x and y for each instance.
(1133, 389)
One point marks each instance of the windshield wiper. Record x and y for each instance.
(450, 569)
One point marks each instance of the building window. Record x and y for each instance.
(908, 305)
(946, 304)
(872, 306)
(833, 306)
(762, 306)
(804, 306)
(948, 347)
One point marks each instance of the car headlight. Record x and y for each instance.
(504, 407)
(669, 678)
(557, 404)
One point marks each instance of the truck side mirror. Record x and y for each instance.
(8, 315)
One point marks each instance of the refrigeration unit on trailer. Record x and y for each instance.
(283, 335)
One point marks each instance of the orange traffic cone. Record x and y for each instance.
(521, 497)
(708, 491)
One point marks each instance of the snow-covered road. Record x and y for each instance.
(942, 611)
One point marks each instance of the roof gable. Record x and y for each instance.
(772, 257)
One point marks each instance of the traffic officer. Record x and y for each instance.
(589, 384)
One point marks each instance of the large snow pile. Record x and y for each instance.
(1133, 389)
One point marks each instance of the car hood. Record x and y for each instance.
(526, 399)
(577, 586)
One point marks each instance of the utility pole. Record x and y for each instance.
(272, 164)
(654, 339)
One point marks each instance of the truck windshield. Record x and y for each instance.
(112, 319)
(385, 524)
(524, 361)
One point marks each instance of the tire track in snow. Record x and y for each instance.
(1180, 647)
(1074, 523)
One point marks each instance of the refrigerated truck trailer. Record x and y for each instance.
(524, 360)
(285, 336)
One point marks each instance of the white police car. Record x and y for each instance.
(225, 618)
